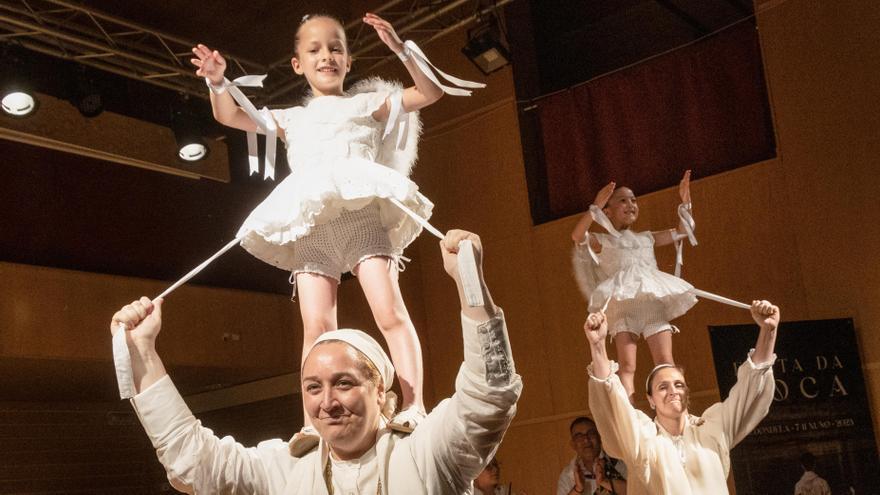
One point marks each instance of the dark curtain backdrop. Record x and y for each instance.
(703, 107)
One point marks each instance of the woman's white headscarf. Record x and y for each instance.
(367, 346)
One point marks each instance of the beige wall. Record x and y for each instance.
(801, 230)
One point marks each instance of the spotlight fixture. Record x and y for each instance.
(187, 129)
(486, 46)
(16, 97)
(85, 95)
(18, 103)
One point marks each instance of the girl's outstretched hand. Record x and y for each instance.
(210, 63)
(385, 31)
(596, 328)
(684, 187)
(604, 194)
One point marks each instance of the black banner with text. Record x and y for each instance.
(820, 407)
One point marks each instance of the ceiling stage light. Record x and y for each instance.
(191, 146)
(16, 96)
(192, 152)
(486, 47)
(18, 103)
(85, 94)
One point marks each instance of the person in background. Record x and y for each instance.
(489, 481)
(591, 471)
(811, 483)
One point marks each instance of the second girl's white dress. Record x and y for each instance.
(340, 159)
(643, 299)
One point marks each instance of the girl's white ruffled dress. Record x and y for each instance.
(339, 160)
(643, 299)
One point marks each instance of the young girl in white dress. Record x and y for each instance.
(618, 269)
(334, 213)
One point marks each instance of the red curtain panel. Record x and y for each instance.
(703, 106)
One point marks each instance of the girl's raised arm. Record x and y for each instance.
(212, 66)
(425, 92)
(578, 235)
(665, 237)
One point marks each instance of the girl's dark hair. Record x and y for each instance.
(308, 17)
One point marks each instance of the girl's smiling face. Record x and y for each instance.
(622, 208)
(322, 55)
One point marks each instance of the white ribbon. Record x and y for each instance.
(686, 220)
(425, 66)
(263, 119)
(720, 299)
(121, 356)
(600, 218)
(397, 117)
(467, 265)
(122, 362)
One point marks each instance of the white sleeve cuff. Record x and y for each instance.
(612, 365)
(760, 366)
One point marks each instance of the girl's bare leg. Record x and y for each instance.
(317, 305)
(381, 288)
(626, 356)
(661, 347)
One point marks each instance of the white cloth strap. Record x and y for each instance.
(720, 299)
(397, 117)
(686, 220)
(600, 218)
(192, 273)
(603, 220)
(122, 363)
(121, 356)
(467, 265)
(263, 119)
(426, 67)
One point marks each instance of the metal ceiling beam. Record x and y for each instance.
(429, 19)
(82, 34)
(65, 29)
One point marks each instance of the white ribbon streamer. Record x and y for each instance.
(397, 117)
(122, 362)
(467, 265)
(121, 356)
(419, 220)
(600, 218)
(192, 273)
(720, 299)
(686, 220)
(425, 66)
(263, 119)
